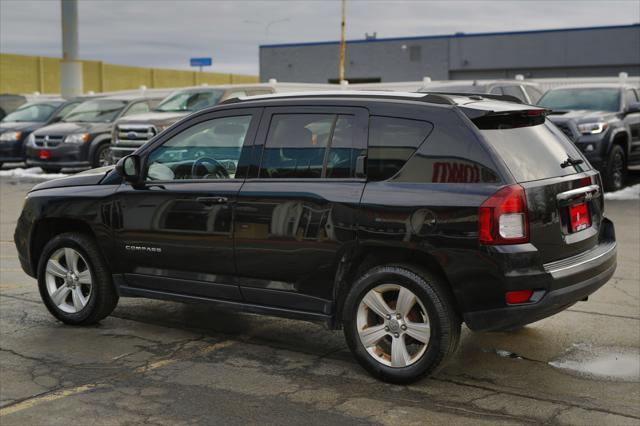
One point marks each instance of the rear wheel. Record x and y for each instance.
(400, 323)
(74, 281)
(616, 169)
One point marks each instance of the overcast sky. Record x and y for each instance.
(167, 33)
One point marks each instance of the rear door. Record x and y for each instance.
(559, 191)
(296, 213)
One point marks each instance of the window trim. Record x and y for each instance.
(247, 145)
(360, 114)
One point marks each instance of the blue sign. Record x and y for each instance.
(200, 62)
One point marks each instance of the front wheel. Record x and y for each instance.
(74, 281)
(102, 157)
(616, 169)
(400, 323)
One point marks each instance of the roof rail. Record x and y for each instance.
(479, 96)
(438, 98)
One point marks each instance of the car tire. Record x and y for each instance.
(74, 281)
(615, 172)
(102, 156)
(413, 338)
(49, 170)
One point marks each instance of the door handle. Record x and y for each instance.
(212, 200)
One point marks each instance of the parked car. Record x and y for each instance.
(82, 139)
(527, 91)
(130, 133)
(395, 216)
(16, 127)
(604, 122)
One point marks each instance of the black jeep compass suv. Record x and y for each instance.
(393, 216)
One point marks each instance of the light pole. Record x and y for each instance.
(70, 66)
(343, 43)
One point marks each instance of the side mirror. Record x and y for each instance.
(130, 169)
(634, 107)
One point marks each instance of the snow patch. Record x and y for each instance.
(628, 193)
(32, 174)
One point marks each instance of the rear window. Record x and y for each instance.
(534, 152)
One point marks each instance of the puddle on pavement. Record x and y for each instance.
(607, 363)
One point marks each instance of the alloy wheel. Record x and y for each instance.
(68, 280)
(393, 325)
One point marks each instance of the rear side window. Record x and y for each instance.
(534, 152)
(391, 142)
(309, 146)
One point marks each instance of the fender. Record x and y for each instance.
(97, 141)
(617, 131)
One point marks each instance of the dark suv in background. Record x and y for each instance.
(16, 127)
(82, 138)
(604, 122)
(130, 133)
(393, 216)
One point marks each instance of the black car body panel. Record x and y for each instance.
(292, 246)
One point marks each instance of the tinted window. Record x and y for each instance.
(208, 150)
(309, 146)
(534, 152)
(391, 142)
(583, 98)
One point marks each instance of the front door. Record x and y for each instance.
(296, 213)
(175, 233)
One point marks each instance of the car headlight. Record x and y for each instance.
(10, 136)
(593, 128)
(77, 138)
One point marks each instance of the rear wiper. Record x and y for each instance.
(571, 162)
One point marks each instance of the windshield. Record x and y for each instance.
(602, 99)
(100, 110)
(38, 113)
(190, 101)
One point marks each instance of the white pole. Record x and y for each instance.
(70, 66)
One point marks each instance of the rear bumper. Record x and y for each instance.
(571, 280)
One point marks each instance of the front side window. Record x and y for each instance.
(207, 150)
(96, 111)
(36, 113)
(309, 146)
(391, 142)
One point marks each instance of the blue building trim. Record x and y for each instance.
(457, 35)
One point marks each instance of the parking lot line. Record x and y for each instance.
(48, 397)
(63, 393)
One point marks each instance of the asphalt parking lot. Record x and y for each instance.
(156, 362)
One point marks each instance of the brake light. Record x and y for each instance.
(503, 218)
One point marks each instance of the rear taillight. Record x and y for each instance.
(503, 217)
